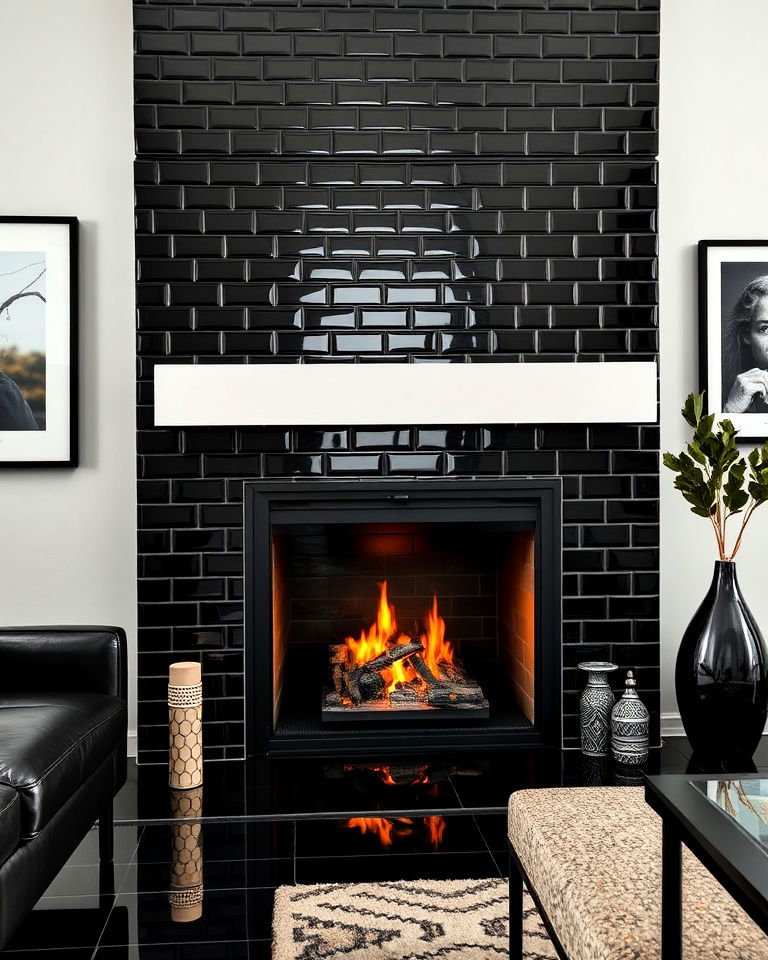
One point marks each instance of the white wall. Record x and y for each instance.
(713, 185)
(67, 537)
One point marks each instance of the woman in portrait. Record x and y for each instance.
(745, 351)
(14, 409)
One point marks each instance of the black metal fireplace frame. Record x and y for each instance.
(265, 501)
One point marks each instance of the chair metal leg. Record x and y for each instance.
(515, 911)
(106, 834)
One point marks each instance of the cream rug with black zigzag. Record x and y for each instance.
(407, 920)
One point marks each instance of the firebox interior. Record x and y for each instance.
(479, 559)
(477, 578)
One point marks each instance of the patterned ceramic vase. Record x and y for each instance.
(629, 727)
(595, 713)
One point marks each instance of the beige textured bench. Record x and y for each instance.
(591, 859)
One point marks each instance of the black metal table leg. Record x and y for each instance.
(515, 911)
(671, 893)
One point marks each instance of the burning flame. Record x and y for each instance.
(383, 634)
(387, 829)
(384, 773)
(436, 647)
(435, 827)
(382, 827)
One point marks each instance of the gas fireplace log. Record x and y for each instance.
(338, 656)
(451, 673)
(338, 653)
(450, 695)
(423, 671)
(405, 693)
(392, 655)
(371, 685)
(337, 675)
(355, 695)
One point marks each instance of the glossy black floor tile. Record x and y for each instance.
(224, 792)
(493, 829)
(681, 745)
(126, 840)
(426, 866)
(501, 773)
(153, 877)
(238, 840)
(227, 915)
(224, 950)
(83, 880)
(382, 836)
(76, 926)
(262, 787)
(76, 953)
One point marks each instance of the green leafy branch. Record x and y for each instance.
(711, 474)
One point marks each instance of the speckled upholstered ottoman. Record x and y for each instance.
(591, 858)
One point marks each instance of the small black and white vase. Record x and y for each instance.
(595, 708)
(629, 727)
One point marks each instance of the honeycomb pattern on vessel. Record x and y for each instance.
(187, 804)
(185, 759)
(186, 855)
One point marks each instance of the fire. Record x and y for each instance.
(384, 634)
(382, 827)
(387, 829)
(384, 772)
(436, 647)
(435, 827)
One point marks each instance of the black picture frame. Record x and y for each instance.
(60, 448)
(723, 268)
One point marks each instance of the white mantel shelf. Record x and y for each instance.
(330, 394)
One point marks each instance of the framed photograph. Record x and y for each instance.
(38, 342)
(733, 332)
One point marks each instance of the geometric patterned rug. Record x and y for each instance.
(407, 920)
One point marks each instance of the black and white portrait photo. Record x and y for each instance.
(733, 317)
(38, 337)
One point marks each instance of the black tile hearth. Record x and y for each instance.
(350, 181)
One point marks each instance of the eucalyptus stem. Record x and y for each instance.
(718, 538)
(713, 476)
(748, 513)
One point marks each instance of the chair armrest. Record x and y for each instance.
(63, 659)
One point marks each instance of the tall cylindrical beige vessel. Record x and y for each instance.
(185, 727)
(186, 892)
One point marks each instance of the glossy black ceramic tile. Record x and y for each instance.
(84, 881)
(76, 926)
(425, 866)
(224, 842)
(208, 950)
(227, 915)
(322, 183)
(67, 953)
(154, 877)
(359, 837)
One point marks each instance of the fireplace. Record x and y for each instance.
(402, 615)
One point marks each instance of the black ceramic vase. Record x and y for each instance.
(721, 675)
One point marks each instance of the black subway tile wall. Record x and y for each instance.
(421, 181)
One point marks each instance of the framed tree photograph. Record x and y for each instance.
(38, 342)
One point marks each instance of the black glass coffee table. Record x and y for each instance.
(724, 822)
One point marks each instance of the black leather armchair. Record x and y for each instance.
(63, 739)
